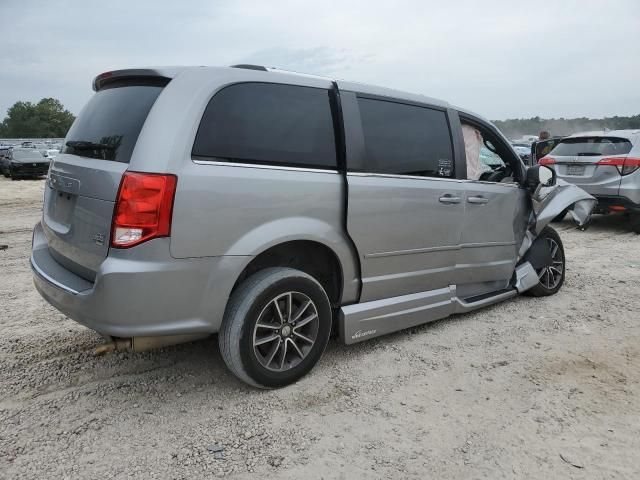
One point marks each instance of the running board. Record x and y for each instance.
(363, 321)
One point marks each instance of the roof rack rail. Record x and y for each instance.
(248, 66)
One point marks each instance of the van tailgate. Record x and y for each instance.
(79, 200)
(83, 181)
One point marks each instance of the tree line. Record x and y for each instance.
(46, 119)
(49, 119)
(517, 127)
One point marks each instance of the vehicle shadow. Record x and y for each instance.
(614, 222)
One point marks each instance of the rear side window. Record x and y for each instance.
(591, 146)
(108, 126)
(268, 124)
(406, 139)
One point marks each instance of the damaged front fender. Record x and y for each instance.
(549, 202)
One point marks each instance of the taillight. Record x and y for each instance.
(143, 208)
(625, 165)
(547, 161)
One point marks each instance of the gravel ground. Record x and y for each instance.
(530, 388)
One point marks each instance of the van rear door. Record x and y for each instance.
(83, 180)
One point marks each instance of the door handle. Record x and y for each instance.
(478, 200)
(448, 198)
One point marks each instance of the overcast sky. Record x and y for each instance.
(500, 58)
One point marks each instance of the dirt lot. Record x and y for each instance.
(531, 388)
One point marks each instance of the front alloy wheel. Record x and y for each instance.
(551, 275)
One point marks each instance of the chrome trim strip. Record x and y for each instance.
(431, 271)
(438, 249)
(267, 167)
(50, 280)
(487, 244)
(412, 251)
(402, 177)
(418, 177)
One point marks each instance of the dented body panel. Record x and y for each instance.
(549, 202)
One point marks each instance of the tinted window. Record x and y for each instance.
(109, 125)
(269, 124)
(22, 154)
(406, 139)
(592, 146)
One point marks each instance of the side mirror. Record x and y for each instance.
(540, 175)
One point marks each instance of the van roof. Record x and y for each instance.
(257, 72)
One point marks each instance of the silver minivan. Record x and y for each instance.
(275, 209)
(606, 164)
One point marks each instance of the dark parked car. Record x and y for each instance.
(524, 152)
(541, 148)
(23, 162)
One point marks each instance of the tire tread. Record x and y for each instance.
(237, 308)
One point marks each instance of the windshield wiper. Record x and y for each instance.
(84, 145)
(589, 154)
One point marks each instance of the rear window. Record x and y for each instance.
(591, 146)
(269, 124)
(108, 126)
(22, 154)
(406, 139)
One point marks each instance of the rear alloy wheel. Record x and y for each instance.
(275, 328)
(551, 275)
(286, 331)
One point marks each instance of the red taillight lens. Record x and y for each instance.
(143, 208)
(625, 165)
(547, 161)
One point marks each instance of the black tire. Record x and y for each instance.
(544, 287)
(561, 216)
(634, 222)
(249, 303)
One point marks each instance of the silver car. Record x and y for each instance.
(275, 208)
(606, 165)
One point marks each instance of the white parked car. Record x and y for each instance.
(51, 154)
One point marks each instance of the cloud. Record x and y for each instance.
(500, 58)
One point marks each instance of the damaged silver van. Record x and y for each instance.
(273, 208)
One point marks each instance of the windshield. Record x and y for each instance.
(591, 146)
(22, 154)
(109, 125)
(490, 159)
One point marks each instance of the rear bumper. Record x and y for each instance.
(141, 291)
(626, 188)
(605, 202)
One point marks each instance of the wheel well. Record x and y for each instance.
(313, 258)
